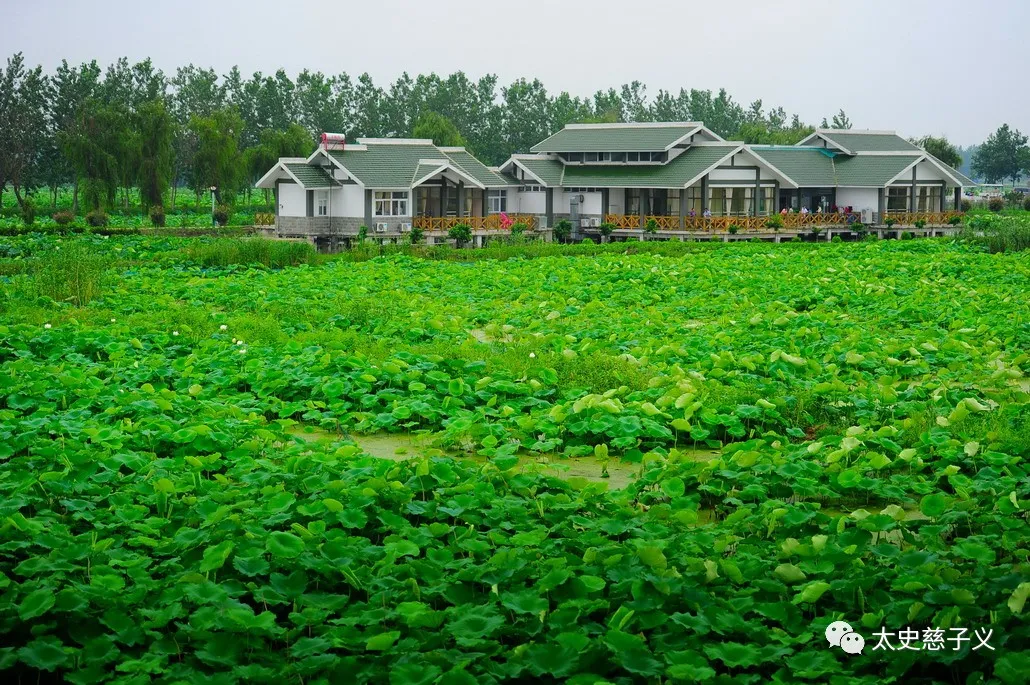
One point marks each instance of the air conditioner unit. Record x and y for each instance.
(406, 228)
(584, 223)
(541, 220)
(867, 216)
(381, 227)
(595, 222)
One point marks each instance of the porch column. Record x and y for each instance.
(483, 209)
(461, 198)
(704, 194)
(758, 189)
(912, 193)
(958, 199)
(368, 208)
(944, 194)
(645, 198)
(549, 206)
(683, 208)
(881, 204)
(605, 192)
(309, 196)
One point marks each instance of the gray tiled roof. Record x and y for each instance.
(674, 174)
(614, 139)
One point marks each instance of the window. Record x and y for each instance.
(574, 156)
(738, 201)
(532, 189)
(694, 200)
(632, 201)
(929, 199)
(497, 201)
(582, 190)
(897, 198)
(618, 156)
(322, 203)
(590, 157)
(632, 156)
(717, 204)
(391, 203)
(767, 201)
(672, 203)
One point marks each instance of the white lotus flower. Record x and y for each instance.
(223, 327)
(46, 325)
(112, 320)
(175, 332)
(243, 351)
(239, 342)
(532, 355)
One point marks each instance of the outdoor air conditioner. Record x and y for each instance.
(584, 223)
(406, 228)
(867, 216)
(381, 227)
(595, 222)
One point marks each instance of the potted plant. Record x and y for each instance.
(733, 229)
(889, 222)
(606, 230)
(651, 227)
(919, 223)
(416, 235)
(774, 222)
(460, 234)
(562, 230)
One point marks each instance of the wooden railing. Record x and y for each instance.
(476, 223)
(789, 222)
(931, 218)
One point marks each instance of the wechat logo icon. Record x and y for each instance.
(840, 634)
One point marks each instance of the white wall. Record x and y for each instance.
(348, 201)
(859, 198)
(591, 203)
(928, 172)
(527, 203)
(732, 175)
(292, 200)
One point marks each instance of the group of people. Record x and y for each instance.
(834, 209)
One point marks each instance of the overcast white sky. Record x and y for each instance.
(958, 68)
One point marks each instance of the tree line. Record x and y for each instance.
(105, 131)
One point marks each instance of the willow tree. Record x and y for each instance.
(90, 146)
(217, 160)
(156, 134)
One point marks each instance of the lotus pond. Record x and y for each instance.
(677, 464)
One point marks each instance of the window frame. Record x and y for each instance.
(501, 204)
(321, 203)
(390, 203)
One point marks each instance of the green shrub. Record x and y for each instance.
(460, 234)
(836, 239)
(157, 216)
(966, 205)
(587, 241)
(518, 230)
(651, 226)
(1026, 203)
(870, 238)
(97, 218)
(606, 229)
(362, 233)
(416, 235)
(996, 204)
(774, 222)
(63, 218)
(906, 235)
(221, 215)
(955, 220)
(889, 222)
(562, 230)
(733, 229)
(859, 227)
(28, 212)
(919, 223)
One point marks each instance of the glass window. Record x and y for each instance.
(767, 201)
(633, 201)
(322, 203)
(694, 200)
(738, 201)
(897, 198)
(718, 201)
(618, 156)
(497, 201)
(672, 203)
(632, 156)
(391, 203)
(590, 157)
(574, 157)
